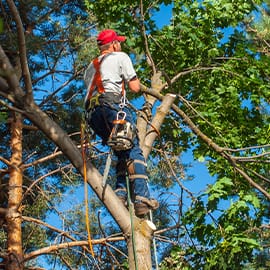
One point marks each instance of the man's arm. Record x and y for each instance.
(134, 85)
(129, 73)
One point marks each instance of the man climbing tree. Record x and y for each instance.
(110, 118)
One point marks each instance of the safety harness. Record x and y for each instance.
(91, 102)
(123, 132)
(97, 84)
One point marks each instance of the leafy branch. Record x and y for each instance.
(222, 151)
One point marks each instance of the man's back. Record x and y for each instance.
(114, 67)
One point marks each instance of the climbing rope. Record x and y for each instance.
(87, 221)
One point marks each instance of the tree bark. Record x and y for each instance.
(14, 215)
(153, 130)
(139, 244)
(146, 114)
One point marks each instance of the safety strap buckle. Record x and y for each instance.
(93, 102)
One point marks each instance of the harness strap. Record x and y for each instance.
(134, 176)
(131, 168)
(123, 88)
(97, 81)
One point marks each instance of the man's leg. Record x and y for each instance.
(131, 161)
(121, 182)
(101, 121)
(136, 167)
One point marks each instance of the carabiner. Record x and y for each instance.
(122, 102)
(119, 113)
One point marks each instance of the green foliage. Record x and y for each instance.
(218, 191)
(229, 230)
(221, 77)
(225, 80)
(175, 261)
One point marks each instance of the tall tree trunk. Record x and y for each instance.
(14, 215)
(146, 113)
(139, 244)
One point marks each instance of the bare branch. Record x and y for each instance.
(247, 148)
(175, 176)
(60, 88)
(251, 182)
(7, 162)
(41, 178)
(258, 175)
(54, 248)
(40, 222)
(148, 54)
(22, 48)
(41, 160)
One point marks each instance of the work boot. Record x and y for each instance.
(121, 193)
(143, 205)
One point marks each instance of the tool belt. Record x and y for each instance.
(108, 98)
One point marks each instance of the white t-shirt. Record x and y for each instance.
(114, 67)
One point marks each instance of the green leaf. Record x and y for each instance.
(201, 159)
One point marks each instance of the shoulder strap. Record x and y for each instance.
(97, 81)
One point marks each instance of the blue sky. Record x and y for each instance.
(163, 16)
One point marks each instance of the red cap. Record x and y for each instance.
(107, 36)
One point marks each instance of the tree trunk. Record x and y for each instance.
(14, 215)
(139, 244)
(156, 123)
(146, 113)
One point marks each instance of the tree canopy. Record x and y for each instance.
(213, 57)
